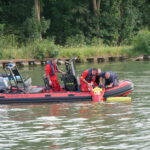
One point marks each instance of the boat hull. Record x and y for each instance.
(124, 88)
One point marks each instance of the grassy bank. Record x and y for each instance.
(94, 51)
(40, 49)
(41, 52)
(10, 48)
(63, 52)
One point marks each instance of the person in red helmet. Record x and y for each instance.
(51, 70)
(87, 79)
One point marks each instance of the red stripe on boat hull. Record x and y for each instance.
(124, 88)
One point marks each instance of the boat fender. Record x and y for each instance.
(118, 99)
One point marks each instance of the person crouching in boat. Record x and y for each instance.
(51, 70)
(108, 79)
(87, 79)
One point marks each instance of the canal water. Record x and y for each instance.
(85, 126)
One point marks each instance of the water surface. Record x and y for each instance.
(73, 126)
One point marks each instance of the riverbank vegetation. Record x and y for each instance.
(47, 28)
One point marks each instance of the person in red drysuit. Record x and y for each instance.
(87, 78)
(51, 71)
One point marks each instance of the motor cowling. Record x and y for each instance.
(70, 82)
(4, 84)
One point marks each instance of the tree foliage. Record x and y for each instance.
(113, 21)
(141, 42)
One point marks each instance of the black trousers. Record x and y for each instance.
(115, 82)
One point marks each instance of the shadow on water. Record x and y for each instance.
(82, 109)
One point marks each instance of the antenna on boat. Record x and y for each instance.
(70, 66)
(73, 66)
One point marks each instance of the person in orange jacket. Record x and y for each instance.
(51, 70)
(87, 78)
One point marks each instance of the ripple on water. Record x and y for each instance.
(81, 125)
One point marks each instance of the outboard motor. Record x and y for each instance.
(69, 79)
(4, 84)
(70, 82)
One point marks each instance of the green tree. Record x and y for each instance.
(113, 21)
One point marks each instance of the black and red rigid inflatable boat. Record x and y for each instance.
(35, 94)
(123, 89)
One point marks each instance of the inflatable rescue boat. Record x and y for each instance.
(15, 89)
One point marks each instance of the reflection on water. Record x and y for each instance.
(62, 125)
(82, 125)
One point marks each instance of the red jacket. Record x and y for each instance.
(51, 70)
(87, 75)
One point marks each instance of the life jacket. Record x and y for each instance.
(52, 68)
(89, 77)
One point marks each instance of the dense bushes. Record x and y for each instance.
(79, 40)
(93, 51)
(32, 29)
(75, 41)
(39, 49)
(7, 44)
(81, 28)
(77, 46)
(141, 42)
(73, 21)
